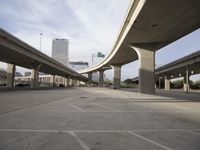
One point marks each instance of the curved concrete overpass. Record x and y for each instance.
(148, 26)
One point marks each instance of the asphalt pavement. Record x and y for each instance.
(98, 119)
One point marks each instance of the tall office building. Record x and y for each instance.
(60, 51)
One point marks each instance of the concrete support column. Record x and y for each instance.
(74, 82)
(116, 77)
(146, 68)
(68, 81)
(159, 82)
(186, 84)
(65, 82)
(78, 83)
(10, 75)
(54, 80)
(35, 76)
(101, 80)
(167, 83)
(89, 79)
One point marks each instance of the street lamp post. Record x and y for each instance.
(40, 41)
(93, 55)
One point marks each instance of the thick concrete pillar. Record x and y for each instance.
(116, 77)
(89, 79)
(186, 84)
(65, 82)
(10, 75)
(159, 82)
(167, 83)
(78, 83)
(35, 76)
(74, 82)
(53, 80)
(146, 68)
(68, 81)
(101, 80)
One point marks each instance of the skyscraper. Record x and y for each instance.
(60, 51)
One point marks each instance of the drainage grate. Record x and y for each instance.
(82, 97)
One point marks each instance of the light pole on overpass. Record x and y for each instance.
(41, 40)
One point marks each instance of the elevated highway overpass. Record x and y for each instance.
(148, 26)
(16, 52)
(183, 67)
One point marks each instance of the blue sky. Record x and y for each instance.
(90, 25)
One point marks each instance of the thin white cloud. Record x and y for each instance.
(90, 26)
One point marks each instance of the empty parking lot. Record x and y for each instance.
(98, 119)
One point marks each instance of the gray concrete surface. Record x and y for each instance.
(98, 119)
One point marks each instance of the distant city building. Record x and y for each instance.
(60, 51)
(79, 65)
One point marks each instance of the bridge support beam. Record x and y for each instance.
(116, 76)
(35, 76)
(65, 82)
(77, 83)
(10, 75)
(186, 84)
(53, 80)
(159, 82)
(146, 57)
(167, 83)
(89, 79)
(74, 82)
(68, 81)
(101, 80)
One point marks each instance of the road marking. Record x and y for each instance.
(107, 107)
(121, 111)
(162, 130)
(150, 141)
(30, 130)
(36, 105)
(96, 131)
(192, 132)
(78, 108)
(80, 142)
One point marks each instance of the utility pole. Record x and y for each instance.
(40, 41)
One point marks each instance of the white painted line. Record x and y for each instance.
(63, 131)
(121, 111)
(30, 130)
(80, 142)
(161, 130)
(192, 132)
(150, 141)
(96, 131)
(107, 107)
(100, 131)
(78, 108)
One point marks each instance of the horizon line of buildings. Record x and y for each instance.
(60, 52)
